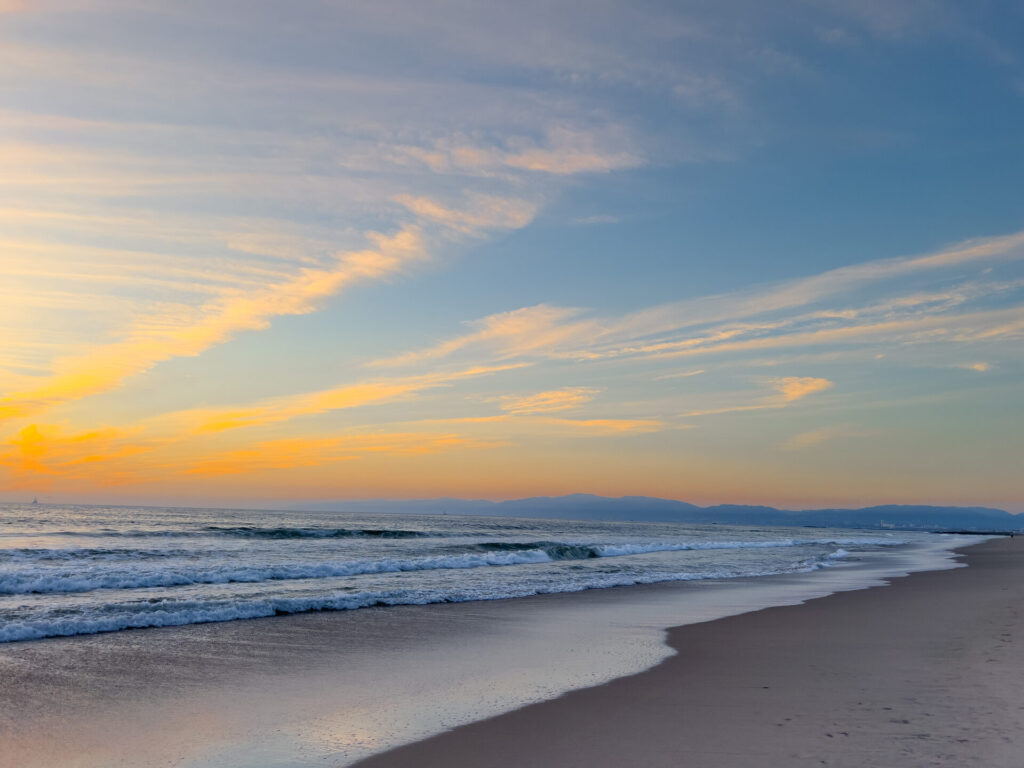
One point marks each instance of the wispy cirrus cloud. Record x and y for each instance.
(154, 339)
(562, 153)
(39, 454)
(276, 410)
(47, 457)
(788, 390)
(109, 455)
(483, 213)
(680, 375)
(533, 424)
(562, 399)
(611, 426)
(221, 225)
(539, 329)
(793, 388)
(296, 453)
(793, 314)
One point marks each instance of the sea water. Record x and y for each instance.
(68, 570)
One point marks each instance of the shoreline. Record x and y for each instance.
(338, 687)
(923, 672)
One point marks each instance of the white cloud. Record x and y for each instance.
(789, 389)
(564, 399)
(812, 311)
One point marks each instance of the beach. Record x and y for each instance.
(926, 672)
(922, 672)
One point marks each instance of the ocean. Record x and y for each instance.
(76, 570)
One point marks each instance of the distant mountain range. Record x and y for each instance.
(582, 506)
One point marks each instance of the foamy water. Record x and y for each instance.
(82, 570)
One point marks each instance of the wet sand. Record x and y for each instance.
(926, 672)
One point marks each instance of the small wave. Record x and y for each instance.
(558, 550)
(555, 550)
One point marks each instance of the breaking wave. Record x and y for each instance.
(48, 579)
(166, 613)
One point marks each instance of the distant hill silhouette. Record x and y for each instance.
(583, 506)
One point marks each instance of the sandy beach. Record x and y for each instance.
(926, 672)
(922, 672)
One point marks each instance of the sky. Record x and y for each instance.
(255, 252)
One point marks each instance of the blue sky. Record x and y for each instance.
(256, 252)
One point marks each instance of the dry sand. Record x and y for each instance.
(926, 672)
